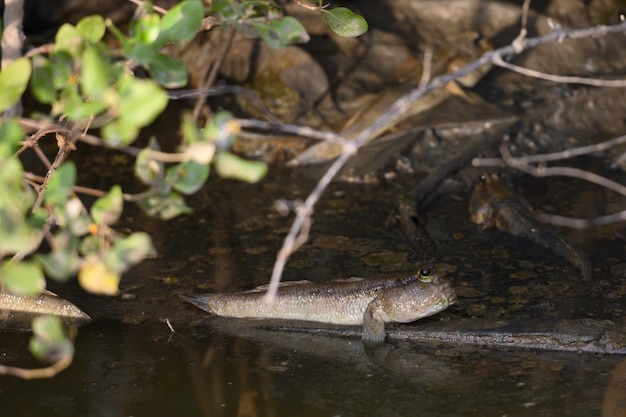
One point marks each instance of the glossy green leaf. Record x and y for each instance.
(182, 22)
(93, 73)
(164, 207)
(91, 28)
(187, 177)
(107, 209)
(61, 185)
(11, 133)
(129, 251)
(141, 101)
(68, 39)
(168, 71)
(25, 278)
(228, 165)
(283, 32)
(344, 22)
(49, 342)
(147, 168)
(140, 52)
(60, 264)
(13, 82)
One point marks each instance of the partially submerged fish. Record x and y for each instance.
(45, 303)
(493, 203)
(353, 301)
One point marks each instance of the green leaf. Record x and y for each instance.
(13, 82)
(93, 73)
(11, 133)
(68, 39)
(107, 209)
(62, 67)
(283, 32)
(17, 234)
(141, 101)
(168, 71)
(49, 343)
(91, 28)
(232, 166)
(164, 207)
(147, 168)
(41, 83)
(187, 177)
(60, 264)
(118, 132)
(344, 22)
(182, 22)
(141, 52)
(146, 29)
(61, 185)
(129, 251)
(24, 278)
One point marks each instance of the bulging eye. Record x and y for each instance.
(426, 274)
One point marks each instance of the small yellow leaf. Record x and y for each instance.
(96, 278)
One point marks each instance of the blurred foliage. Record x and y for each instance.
(45, 227)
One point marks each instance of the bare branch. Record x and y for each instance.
(401, 106)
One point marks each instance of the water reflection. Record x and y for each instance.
(226, 368)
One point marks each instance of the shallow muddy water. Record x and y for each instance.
(129, 363)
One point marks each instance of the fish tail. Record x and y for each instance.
(200, 300)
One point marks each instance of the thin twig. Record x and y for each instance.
(565, 79)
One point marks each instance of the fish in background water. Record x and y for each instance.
(493, 203)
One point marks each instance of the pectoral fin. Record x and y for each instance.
(373, 323)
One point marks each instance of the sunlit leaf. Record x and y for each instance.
(168, 71)
(231, 166)
(91, 28)
(96, 278)
(49, 342)
(68, 39)
(182, 22)
(93, 72)
(187, 177)
(282, 32)
(147, 28)
(141, 101)
(61, 185)
(129, 251)
(107, 209)
(13, 82)
(25, 278)
(344, 22)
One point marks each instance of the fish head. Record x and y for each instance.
(427, 295)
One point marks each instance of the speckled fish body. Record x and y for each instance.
(353, 301)
(46, 303)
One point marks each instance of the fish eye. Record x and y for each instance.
(426, 274)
